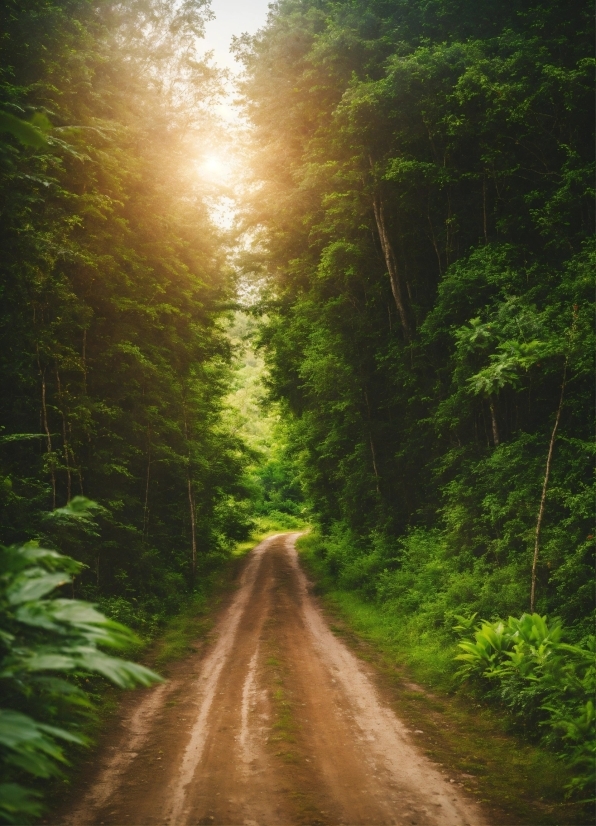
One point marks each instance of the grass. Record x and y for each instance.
(180, 635)
(284, 726)
(518, 782)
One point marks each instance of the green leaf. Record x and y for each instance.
(41, 121)
(35, 584)
(79, 507)
(53, 560)
(32, 745)
(16, 800)
(122, 673)
(27, 133)
(20, 437)
(49, 662)
(54, 614)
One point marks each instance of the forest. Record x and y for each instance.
(413, 380)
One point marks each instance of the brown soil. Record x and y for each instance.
(276, 723)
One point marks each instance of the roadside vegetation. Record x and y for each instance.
(114, 291)
(427, 321)
(51, 647)
(408, 366)
(271, 475)
(505, 694)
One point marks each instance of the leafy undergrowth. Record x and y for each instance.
(472, 741)
(52, 648)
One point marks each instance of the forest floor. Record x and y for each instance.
(273, 720)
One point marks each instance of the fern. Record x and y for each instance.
(547, 684)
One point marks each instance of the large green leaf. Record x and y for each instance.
(32, 745)
(123, 673)
(17, 729)
(33, 552)
(49, 662)
(34, 584)
(78, 616)
(27, 133)
(79, 507)
(17, 802)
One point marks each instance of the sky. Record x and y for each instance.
(233, 17)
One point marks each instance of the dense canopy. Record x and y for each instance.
(415, 251)
(423, 198)
(113, 280)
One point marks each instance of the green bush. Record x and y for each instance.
(49, 645)
(548, 684)
(416, 587)
(278, 521)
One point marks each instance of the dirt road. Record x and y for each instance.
(278, 723)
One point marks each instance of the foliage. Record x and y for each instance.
(406, 630)
(273, 474)
(426, 246)
(113, 284)
(543, 683)
(547, 683)
(49, 645)
(423, 214)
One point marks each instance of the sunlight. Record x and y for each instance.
(215, 168)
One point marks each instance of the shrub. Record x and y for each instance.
(48, 646)
(546, 683)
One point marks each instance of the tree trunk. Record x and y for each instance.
(371, 442)
(484, 224)
(147, 480)
(390, 262)
(191, 505)
(374, 461)
(193, 527)
(84, 361)
(65, 443)
(44, 412)
(541, 509)
(493, 419)
(549, 458)
(77, 467)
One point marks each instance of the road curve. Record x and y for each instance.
(278, 723)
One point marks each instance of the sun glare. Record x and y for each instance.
(215, 168)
